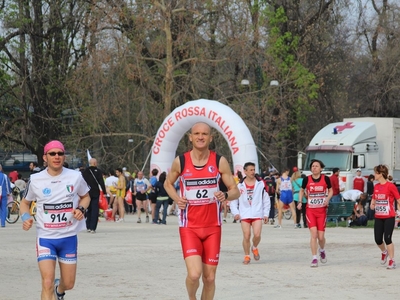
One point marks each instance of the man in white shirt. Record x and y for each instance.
(62, 199)
(21, 185)
(141, 186)
(354, 195)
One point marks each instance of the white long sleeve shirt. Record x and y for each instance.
(259, 205)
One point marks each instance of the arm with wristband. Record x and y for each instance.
(25, 215)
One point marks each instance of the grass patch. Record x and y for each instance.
(344, 224)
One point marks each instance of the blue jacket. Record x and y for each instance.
(5, 185)
(160, 190)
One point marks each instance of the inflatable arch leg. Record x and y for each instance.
(215, 114)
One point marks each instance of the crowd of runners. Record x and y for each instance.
(66, 197)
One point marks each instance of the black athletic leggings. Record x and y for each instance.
(383, 230)
(300, 212)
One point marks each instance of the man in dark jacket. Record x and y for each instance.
(271, 184)
(94, 178)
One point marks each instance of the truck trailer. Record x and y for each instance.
(355, 143)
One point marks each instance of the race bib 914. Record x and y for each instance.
(58, 215)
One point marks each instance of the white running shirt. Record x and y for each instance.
(56, 198)
(141, 184)
(352, 195)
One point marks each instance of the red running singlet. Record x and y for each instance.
(199, 186)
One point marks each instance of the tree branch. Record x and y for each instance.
(12, 35)
(375, 7)
(323, 7)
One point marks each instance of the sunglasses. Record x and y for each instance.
(56, 153)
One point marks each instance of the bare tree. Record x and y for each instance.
(40, 49)
(378, 75)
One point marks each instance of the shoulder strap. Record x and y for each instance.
(294, 181)
(218, 158)
(182, 161)
(95, 179)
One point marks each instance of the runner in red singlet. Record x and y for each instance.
(382, 202)
(319, 191)
(199, 204)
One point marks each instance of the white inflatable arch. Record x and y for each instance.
(215, 114)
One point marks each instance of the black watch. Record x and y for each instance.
(226, 195)
(82, 209)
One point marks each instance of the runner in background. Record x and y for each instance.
(141, 186)
(297, 182)
(319, 192)
(238, 178)
(284, 190)
(252, 208)
(271, 187)
(152, 195)
(385, 193)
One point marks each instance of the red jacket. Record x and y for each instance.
(13, 176)
(335, 184)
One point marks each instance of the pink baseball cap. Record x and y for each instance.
(52, 145)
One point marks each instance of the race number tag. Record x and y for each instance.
(316, 202)
(58, 215)
(201, 191)
(200, 197)
(286, 185)
(141, 187)
(250, 199)
(382, 207)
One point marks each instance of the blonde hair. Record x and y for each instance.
(296, 175)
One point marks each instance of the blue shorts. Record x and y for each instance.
(65, 249)
(286, 197)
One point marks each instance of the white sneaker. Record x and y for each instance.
(391, 265)
(120, 220)
(278, 226)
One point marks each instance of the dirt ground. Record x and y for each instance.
(144, 261)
